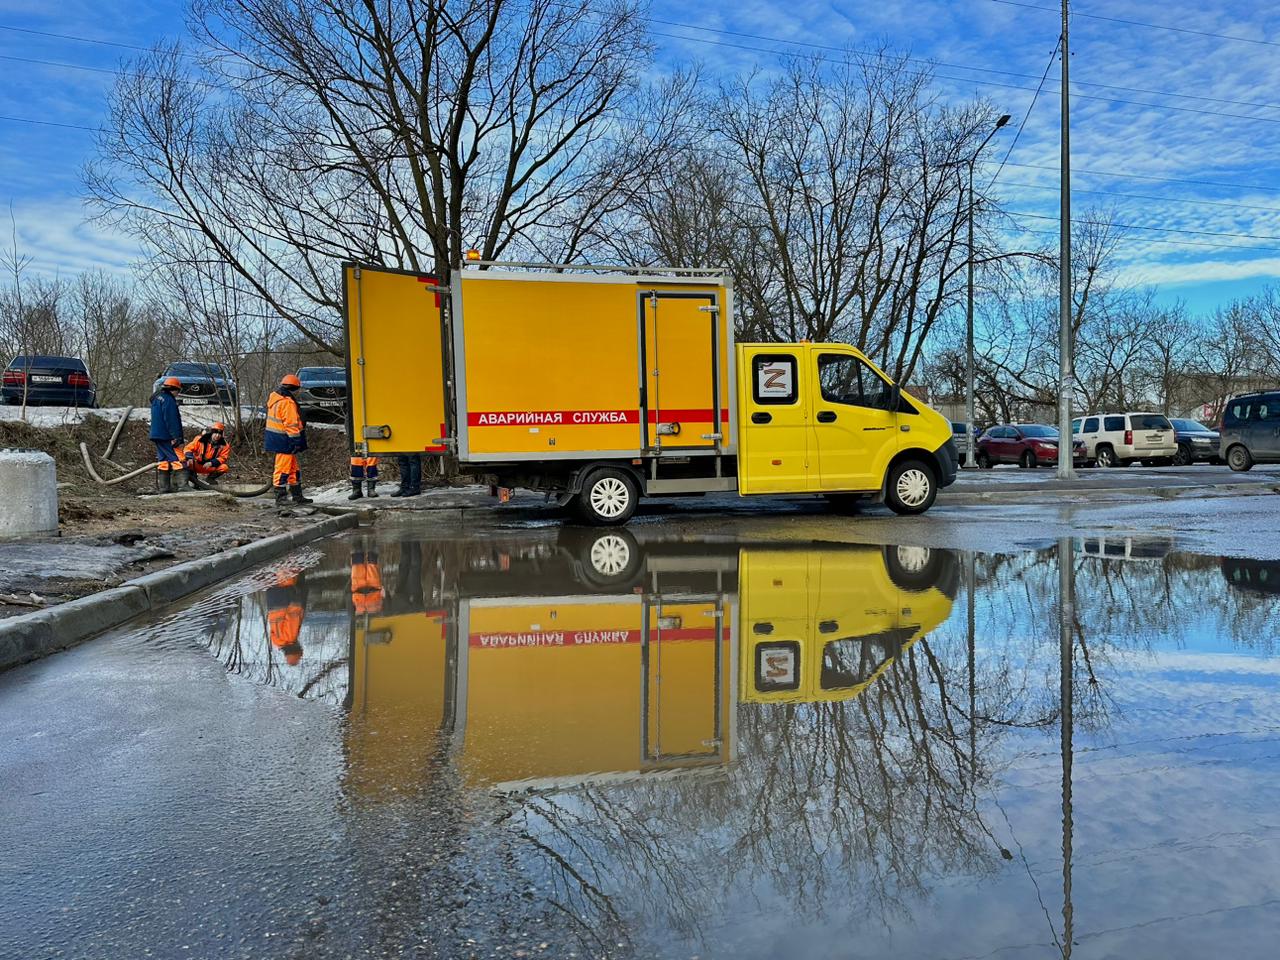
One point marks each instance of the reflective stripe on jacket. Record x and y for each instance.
(286, 433)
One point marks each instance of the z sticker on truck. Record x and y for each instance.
(774, 379)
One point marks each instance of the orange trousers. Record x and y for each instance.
(285, 472)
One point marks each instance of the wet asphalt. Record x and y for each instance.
(753, 734)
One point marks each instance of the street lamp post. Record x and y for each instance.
(970, 450)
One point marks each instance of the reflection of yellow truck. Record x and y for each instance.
(605, 388)
(563, 688)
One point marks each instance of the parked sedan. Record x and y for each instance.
(44, 379)
(1195, 442)
(1026, 444)
(323, 395)
(202, 383)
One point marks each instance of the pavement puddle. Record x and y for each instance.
(600, 743)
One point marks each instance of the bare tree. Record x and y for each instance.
(402, 133)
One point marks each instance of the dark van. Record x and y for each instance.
(1251, 430)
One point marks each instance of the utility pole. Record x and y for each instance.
(1066, 445)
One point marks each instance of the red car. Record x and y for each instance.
(1026, 444)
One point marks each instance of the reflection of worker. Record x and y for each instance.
(207, 455)
(285, 611)
(286, 437)
(363, 470)
(166, 431)
(366, 582)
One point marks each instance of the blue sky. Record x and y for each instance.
(1219, 237)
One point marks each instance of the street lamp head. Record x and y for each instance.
(1003, 120)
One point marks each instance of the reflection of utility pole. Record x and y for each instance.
(1066, 653)
(971, 578)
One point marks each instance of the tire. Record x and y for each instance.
(609, 497)
(1239, 459)
(1183, 457)
(984, 460)
(915, 569)
(910, 488)
(1106, 457)
(603, 559)
(1027, 461)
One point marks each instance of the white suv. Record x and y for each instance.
(1118, 439)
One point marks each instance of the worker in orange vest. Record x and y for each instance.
(367, 592)
(285, 612)
(207, 455)
(363, 469)
(286, 437)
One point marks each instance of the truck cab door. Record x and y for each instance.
(395, 361)
(774, 420)
(854, 429)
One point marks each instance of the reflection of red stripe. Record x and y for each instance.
(586, 418)
(512, 639)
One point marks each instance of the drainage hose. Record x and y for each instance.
(88, 465)
(115, 434)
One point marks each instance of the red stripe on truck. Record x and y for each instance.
(501, 640)
(579, 418)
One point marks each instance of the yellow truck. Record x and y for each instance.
(605, 386)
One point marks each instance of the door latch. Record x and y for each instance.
(376, 432)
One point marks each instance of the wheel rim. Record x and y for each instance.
(610, 555)
(1104, 457)
(914, 559)
(913, 487)
(1237, 457)
(610, 497)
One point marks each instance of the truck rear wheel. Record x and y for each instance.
(911, 487)
(609, 497)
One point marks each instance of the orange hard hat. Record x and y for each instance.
(172, 382)
(289, 380)
(219, 426)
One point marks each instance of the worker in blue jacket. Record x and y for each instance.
(166, 431)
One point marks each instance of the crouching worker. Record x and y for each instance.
(364, 470)
(207, 455)
(166, 431)
(286, 437)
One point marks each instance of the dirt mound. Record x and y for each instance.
(326, 460)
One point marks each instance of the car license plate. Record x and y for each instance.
(38, 378)
(325, 403)
(190, 400)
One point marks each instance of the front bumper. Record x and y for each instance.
(948, 457)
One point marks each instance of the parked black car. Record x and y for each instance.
(1195, 442)
(324, 392)
(202, 383)
(1251, 430)
(61, 381)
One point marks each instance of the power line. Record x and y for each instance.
(115, 73)
(1139, 176)
(1152, 240)
(1027, 116)
(1134, 226)
(70, 36)
(1143, 196)
(1141, 23)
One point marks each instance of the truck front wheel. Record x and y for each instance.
(911, 487)
(609, 497)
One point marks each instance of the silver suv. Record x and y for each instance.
(1119, 439)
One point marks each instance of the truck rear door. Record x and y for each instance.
(395, 360)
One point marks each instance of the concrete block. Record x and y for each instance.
(29, 480)
(78, 620)
(25, 638)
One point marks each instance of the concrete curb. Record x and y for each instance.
(39, 634)
(959, 497)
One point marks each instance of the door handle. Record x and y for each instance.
(761, 417)
(826, 416)
(874, 428)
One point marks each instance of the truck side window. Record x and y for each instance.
(845, 379)
(773, 378)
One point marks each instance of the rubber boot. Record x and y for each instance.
(190, 478)
(371, 488)
(210, 481)
(295, 491)
(282, 496)
(356, 492)
(166, 481)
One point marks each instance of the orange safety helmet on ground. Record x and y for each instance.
(172, 382)
(289, 380)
